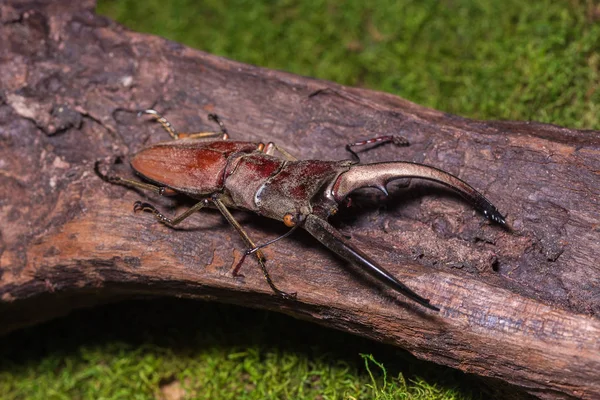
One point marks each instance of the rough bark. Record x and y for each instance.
(521, 306)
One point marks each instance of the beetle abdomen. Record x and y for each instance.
(193, 167)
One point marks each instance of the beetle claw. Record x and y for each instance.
(380, 174)
(288, 296)
(139, 206)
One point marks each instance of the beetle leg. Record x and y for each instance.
(195, 135)
(215, 118)
(163, 121)
(270, 150)
(139, 206)
(259, 255)
(202, 135)
(161, 190)
(397, 140)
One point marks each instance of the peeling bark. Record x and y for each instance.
(519, 306)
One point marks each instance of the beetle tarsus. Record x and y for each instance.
(105, 177)
(141, 206)
(289, 296)
(215, 118)
(263, 267)
(379, 140)
(162, 121)
(147, 207)
(281, 293)
(400, 141)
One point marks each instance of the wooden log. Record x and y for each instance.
(520, 306)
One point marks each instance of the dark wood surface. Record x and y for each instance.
(521, 306)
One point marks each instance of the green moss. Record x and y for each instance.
(500, 59)
(140, 349)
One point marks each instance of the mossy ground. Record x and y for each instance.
(496, 59)
(486, 59)
(149, 349)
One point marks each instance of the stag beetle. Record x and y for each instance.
(301, 193)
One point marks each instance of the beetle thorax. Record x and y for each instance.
(295, 187)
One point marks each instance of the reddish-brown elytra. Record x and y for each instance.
(188, 165)
(250, 176)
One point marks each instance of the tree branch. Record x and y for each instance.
(521, 306)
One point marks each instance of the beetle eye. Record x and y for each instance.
(289, 220)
